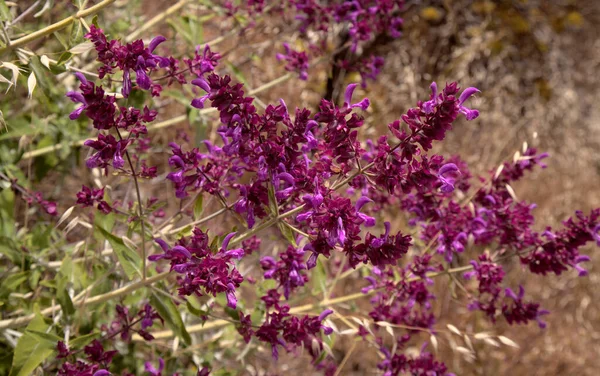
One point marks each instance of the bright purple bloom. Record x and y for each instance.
(151, 370)
(200, 270)
(130, 57)
(89, 196)
(108, 151)
(520, 312)
(296, 61)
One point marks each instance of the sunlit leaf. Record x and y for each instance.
(30, 352)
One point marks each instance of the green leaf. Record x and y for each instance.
(319, 278)
(10, 251)
(181, 28)
(5, 14)
(195, 311)
(168, 311)
(64, 58)
(62, 40)
(273, 205)
(41, 74)
(237, 73)
(129, 260)
(76, 343)
(13, 281)
(287, 233)
(30, 352)
(48, 338)
(7, 219)
(62, 286)
(198, 206)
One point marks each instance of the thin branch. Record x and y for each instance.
(56, 26)
(300, 309)
(125, 290)
(156, 19)
(140, 208)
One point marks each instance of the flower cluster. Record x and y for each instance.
(90, 196)
(130, 57)
(201, 271)
(290, 271)
(296, 61)
(48, 206)
(282, 329)
(286, 168)
(98, 360)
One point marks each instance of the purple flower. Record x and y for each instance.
(148, 367)
(447, 175)
(132, 56)
(290, 271)
(296, 61)
(363, 104)
(200, 269)
(520, 312)
(89, 196)
(469, 113)
(108, 150)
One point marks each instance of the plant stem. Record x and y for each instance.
(56, 26)
(140, 208)
(301, 309)
(128, 289)
(156, 19)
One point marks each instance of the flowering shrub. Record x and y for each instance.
(310, 195)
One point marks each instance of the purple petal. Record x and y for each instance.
(469, 113)
(237, 253)
(77, 113)
(118, 161)
(81, 77)
(175, 177)
(75, 96)
(448, 167)
(434, 89)
(155, 42)
(312, 261)
(231, 299)
(288, 178)
(348, 94)
(199, 102)
(364, 104)
(148, 367)
(596, 234)
(510, 293)
(201, 83)
(468, 92)
(368, 220)
(142, 79)
(227, 239)
(156, 257)
(182, 251)
(162, 244)
(324, 314)
(92, 161)
(126, 90)
(361, 202)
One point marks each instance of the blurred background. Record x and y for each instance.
(535, 62)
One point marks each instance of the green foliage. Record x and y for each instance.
(34, 346)
(128, 258)
(166, 308)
